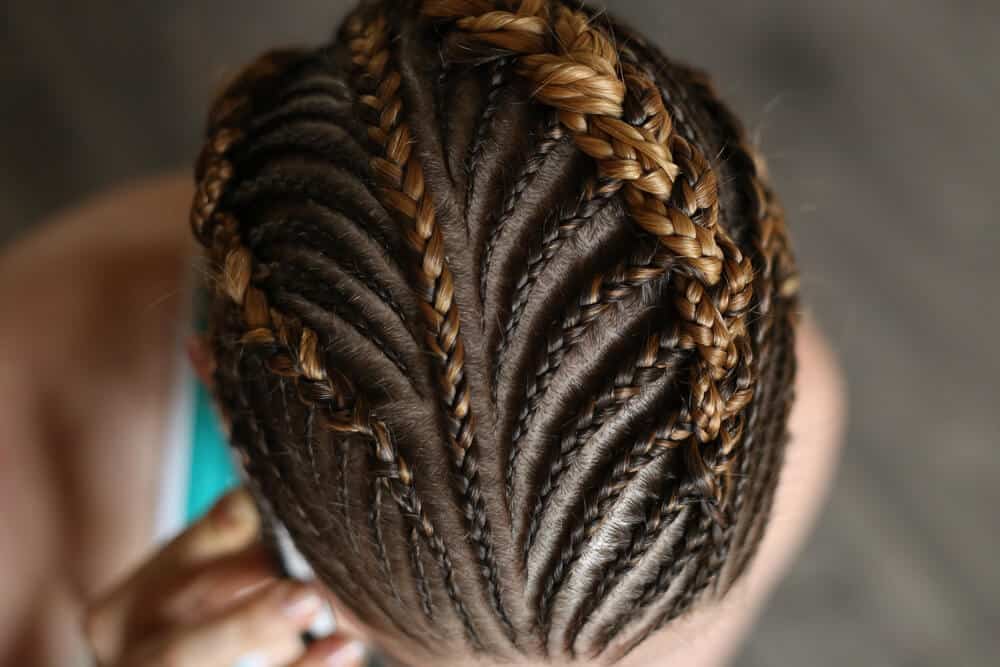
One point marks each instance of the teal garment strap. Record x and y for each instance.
(212, 472)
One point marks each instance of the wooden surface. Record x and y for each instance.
(880, 121)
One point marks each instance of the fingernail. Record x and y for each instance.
(253, 660)
(348, 655)
(301, 603)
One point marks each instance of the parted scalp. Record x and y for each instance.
(503, 313)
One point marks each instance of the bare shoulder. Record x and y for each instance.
(94, 285)
(90, 302)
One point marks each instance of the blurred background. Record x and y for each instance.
(880, 122)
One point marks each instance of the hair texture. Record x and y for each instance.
(503, 312)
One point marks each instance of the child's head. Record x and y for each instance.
(502, 323)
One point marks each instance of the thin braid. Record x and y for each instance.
(763, 495)
(557, 231)
(343, 461)
(375, 525)
(550, 136)
(595, 509)
(700, 177)
(661, 512)
(693, 539)
(284, 228)
(314, 288)
(694, 543)
(656, 357)
(499, 76)
(296, 352)
(401, 185)
(355, 585)
(330, 388)
(766, 242)
(417, 564)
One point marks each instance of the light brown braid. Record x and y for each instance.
(295, 350)
(401, 185)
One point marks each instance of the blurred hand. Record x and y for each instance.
(212, 598)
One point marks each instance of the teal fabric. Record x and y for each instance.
(212, 472)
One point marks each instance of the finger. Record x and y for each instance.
(230, 526)
(263, 628)
(211, 588)
(336, 651)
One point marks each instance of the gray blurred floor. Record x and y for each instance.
(880, 120)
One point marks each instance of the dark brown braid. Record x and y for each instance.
(402, 186)
(599, 450)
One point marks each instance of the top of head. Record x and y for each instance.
(505, 334)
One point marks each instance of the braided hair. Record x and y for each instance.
(503, 311)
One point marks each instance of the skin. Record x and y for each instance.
(90, 307)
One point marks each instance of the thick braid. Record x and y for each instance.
(402, 188)
(295, 350)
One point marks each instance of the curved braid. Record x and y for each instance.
(401, 186)
(656, 358)
(295, 351)
(498, 79)
(595, 508)
(566, 224)
(659, 514)
(618, 285)
(582, 81)
(776, 280)
(695, 536)
(552, 133)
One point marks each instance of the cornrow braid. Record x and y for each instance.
(401, 182)
(297, 348)
(550, 135)
(498, 78)
(582, 82)
(606, 443)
